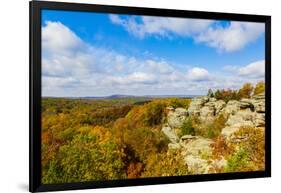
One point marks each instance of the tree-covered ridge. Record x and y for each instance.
(84, 139)
(88, 139)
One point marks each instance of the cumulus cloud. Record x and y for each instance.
(253, 70)
(233, 37)
(225, 38)
(58, 38)
(69, 64)
(136, 77)
(161, 26)
(198, 74)
(71, 67)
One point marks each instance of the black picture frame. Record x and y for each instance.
(35, 184)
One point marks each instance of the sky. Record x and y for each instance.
(98, 54)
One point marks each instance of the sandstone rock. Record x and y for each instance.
(196, 164)
(181, 111)
(170, 108)
(241, 118)
(260, 120)
(231, 107)
(246, 103)
(174, 146)
(219, 105)
(228, 131)
(196, 104)
(193, 150)
(259, 106)
(259, 103)
(219, 163)
(170, 133)
(259, 96)
(207, 113)
(197, 146)
(177, 117)
(188, 137)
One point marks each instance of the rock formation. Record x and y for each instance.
(196, 150)
(176, 117)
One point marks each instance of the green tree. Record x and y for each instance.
(210, 93)
(187, 127)
(218, 94)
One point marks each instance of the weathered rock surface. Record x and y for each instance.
(244, 113)
(196, 150)
(176, 117)
(170, 133)
(174, 146)
(246, 103)
(259, 103)
(260, 120)
(231, 107)
(206, 108)
(219, 105)
(196, 104)
(197, 146)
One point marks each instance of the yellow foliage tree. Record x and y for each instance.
(260, 88)
(246, 91)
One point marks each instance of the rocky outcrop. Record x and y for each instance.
(176, 117)
(244, 113)
(231, 107)
(259, 103)
(196, 105)
(205, 108)
(170, 133)
(219, 105)
(197, 150)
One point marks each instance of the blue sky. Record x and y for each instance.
(94, 54)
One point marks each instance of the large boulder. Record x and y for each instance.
(197, 146)
(231, 107)
(242, 118)
(207, 113)
(196, 164)
(195, 152)
(260, 120)
(219, 105)
(260, 96)
(174, 146)
(259, 103)
(246, 103)
(170, 133)
(196, 104)
(176, 117)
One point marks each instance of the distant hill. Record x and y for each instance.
(117, 96)
(120, 96)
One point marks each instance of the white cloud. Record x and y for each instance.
(198, 74)
(253, 70)
(233, 37)
(71, 67)
(228, 38)
(77, 68)
(161, 26)
(59, 38)
(134, 78)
